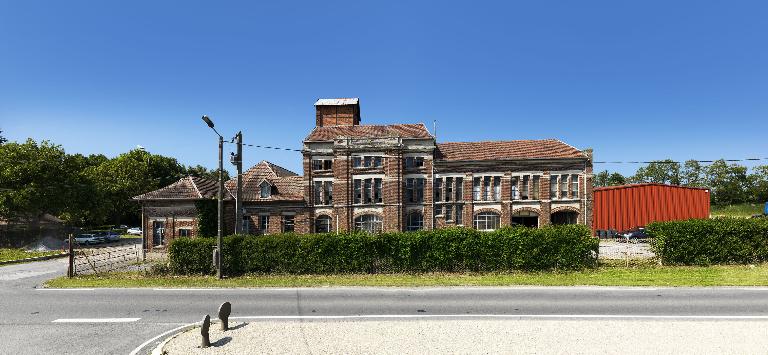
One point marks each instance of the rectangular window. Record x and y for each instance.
(524, 192)
(288, 224)
(448, 188)
(476, 189)
(357, 162)
(377, 162)
(459, 214)
(535, 187)
(497, 188)
(321, 164)
(438, 187)
(367, 196)
(574, 186)
(358, 192)
(185, 232)
(318, 192)
(563, 186)
(414, 162)
(459, 189)
(263, 223)
(553, 187)
(328, 192)
(486, 188)
(420, 190)
(367, 161)
(448, 212)
(378, 197)
(513, 188)
(409, 190)
(438, 210)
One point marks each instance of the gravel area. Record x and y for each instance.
(480, 336)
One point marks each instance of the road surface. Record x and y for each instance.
(117, 321)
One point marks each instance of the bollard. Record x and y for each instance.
(204, 332)
(224, 311)
(215, 258)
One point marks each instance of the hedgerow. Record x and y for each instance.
(444, 250)
(710, 241)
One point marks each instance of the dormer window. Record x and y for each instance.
(266, 189)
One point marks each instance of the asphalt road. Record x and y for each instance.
(116, 321)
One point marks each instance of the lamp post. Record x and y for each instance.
(219, 270)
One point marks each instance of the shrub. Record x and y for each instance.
(710, 241)
(445, 250)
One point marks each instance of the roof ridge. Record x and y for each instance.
(509, 140)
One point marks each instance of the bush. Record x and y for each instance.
(710, 241)
(445, 250)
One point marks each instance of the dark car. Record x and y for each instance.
(636, 235)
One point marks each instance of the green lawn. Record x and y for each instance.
(741, 210)
(17, 254)
(643, 275)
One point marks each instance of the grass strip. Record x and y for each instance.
(610, 275)
(19, 254)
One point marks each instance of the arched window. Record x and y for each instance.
(323, 224)
(486, 221)
(525, 218)
(370, 223)
(266, 189)
(565, 217)
(415, 221)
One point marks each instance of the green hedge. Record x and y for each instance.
(454, 249)
(710, 241)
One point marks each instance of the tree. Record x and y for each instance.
(693, 174)
(661, 172)
(604, 178)
(616, 179)
(728, 183)
(601, 179)
(32, 179)
(758, 184)
(2, 139)
(203, 172)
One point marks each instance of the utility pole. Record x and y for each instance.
(237, 160)
(220, 239)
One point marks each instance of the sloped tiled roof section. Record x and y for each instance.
(507, 150)
(329, 133)
(286, 185)
(187, 188)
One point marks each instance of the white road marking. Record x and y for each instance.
(65, 289)
(95, 320)
(174, 330)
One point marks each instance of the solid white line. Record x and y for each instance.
(65, 289)
(515, 316)
(95, 320)
(144, 344)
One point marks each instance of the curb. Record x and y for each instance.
(39, 258)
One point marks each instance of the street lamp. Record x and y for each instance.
(220, 197)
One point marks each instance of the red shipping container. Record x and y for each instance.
(624, 207)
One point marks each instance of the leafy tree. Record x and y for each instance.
(758, 184)
(2, 139)
(203, 172)
(616, 179)
(661, 172)
(601, 179)
(604, 178)
(31, 179)
(693, 174)
(728, 183)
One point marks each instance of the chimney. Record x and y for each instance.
(337, 112)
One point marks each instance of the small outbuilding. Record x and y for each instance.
(625, 207)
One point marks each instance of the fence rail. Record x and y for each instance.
(106, 259)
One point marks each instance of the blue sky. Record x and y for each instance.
(635, 80)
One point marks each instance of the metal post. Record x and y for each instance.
(239, 192)
(71, 269)
(219, 271)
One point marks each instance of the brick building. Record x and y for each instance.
(398, 178)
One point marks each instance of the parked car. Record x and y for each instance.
(635, 235)
(101, 236)
(87, 239)
(134, 231)
(112, 236)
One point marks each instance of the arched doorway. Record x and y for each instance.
(525, 218)
(565, 217)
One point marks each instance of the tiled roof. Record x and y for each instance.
(328, 133)
(187, 188)
(287, 185)
(507, 150)
(337, 102)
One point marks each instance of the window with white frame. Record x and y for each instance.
(563, 186)
(486, 188)
(265, 190)
(367, 191)
(322, 164)
(553, 187)
(513, 188)
(536, 182)
(476, 189)
(323, 192)
(323, 224)
(497, 188)
(438, 187)
(448, 188)
(288, 223)
(574, 186)
(449, 212)
(185, 232)
(415, 221)
(367, 161)
(264, 223)
(370, 223)
(414, 162)
(414, 190)
(486, 221)
(524, 192)
(459, 182)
